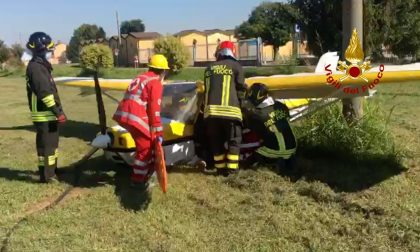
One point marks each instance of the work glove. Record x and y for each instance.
(247, 107)
(62, 118)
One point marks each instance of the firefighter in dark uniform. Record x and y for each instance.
(44, 104)
(269, 119)
(224, 91)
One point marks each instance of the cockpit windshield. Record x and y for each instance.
(180, 102)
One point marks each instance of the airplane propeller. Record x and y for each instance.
(101, 140)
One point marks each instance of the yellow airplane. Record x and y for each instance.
(331, 81)
(182, 100)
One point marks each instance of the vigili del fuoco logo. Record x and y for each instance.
(355, 70)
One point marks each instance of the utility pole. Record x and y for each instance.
(352, 18)
(119, 38)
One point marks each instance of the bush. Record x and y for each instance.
(326, 133)
(173, 49)
(96, 57)
(4, 52)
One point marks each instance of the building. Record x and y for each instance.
(214, 37)
(196, 42)
(141, 44)
(59, 54)
(134, 44)
(203, 44)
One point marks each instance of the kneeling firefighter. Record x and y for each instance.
(44, 104)
(269, 119)
(139, 114)
(224, 91)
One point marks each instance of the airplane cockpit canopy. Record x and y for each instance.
(180, 102)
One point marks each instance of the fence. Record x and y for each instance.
(250, 51)
(246, 50)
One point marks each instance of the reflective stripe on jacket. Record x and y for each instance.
(224, 89)
(43, 99)
(140, 106)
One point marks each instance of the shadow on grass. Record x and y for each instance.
(82, 130)
(350, 174)
(130, 198)
(96, 172)
(6, 74)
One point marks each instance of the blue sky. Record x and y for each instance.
(19, 18)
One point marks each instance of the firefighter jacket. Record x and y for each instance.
(224, 90)
(140, 106)
(43, 99)
(270, 121)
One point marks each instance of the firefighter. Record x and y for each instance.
(224, 91)
(269, 119)
(44, 104)
(139, 113)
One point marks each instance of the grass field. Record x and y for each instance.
(327, 204)
(189, 73)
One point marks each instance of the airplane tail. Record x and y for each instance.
(326, 59)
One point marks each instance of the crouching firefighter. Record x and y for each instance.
(139, 114)
(44, 103)
(224, 91)
(269, 119)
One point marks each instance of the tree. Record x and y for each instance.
(273, 22)
(83, 32)
(373, 30)
(174, 50)
(402, 19)
(17, 50)
(391, 23)
(134, 25)
(4, 52)
(321, 21)
(96, 56)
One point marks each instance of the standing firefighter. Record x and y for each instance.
(139, 113)
(269, 119)
(224, 92)
(44, 104)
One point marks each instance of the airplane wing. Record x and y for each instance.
(302, 93)
(302, 85)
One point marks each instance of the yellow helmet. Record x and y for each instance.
(158, 61)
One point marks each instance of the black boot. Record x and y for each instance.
(222, 172)
(291, 162)
(49, 174)
(280, 165)
(138, 196)
(225, 172)
(41, 171)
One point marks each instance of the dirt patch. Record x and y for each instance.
(51, 201)
(44, 205)
(75, 193)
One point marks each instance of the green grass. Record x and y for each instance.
(325, 204)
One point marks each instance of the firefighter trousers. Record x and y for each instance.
(47, 148)
(220, 132)
(143, 161)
